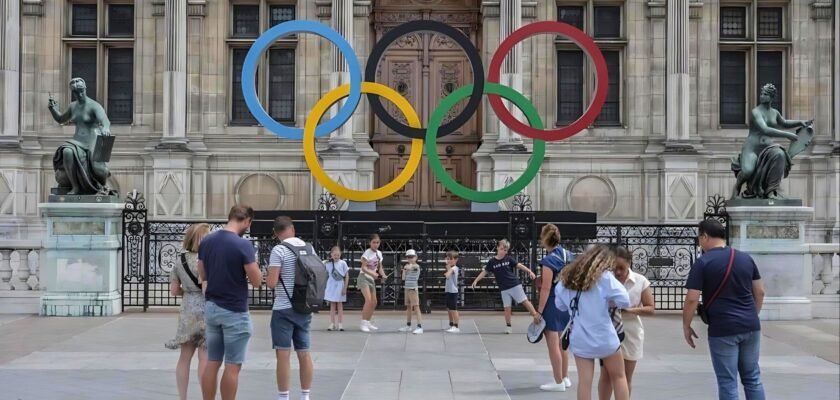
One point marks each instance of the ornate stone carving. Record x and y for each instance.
(821, 9)
(592, 194)
(33, 8)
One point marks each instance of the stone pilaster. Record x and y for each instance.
(9, 73)
(341, 19)
(510, 19)
(677, 100)
(175, 75)
(656, 78)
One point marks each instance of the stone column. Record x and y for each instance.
(341, 19)
(175, 76)
(510, 19)
(836, 153)
(9, 72)
(677, 99)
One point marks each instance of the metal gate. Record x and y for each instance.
(663, 253)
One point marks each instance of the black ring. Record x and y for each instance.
(438, 27)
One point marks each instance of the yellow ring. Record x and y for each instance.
(318, 173)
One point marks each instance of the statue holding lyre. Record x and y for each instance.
(762, 163)
(81, 163)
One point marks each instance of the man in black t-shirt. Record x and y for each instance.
(734, 327)
(502, 267)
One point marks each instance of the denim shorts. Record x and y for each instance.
(290, 327)
(227, 334)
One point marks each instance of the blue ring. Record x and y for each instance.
(249, 69)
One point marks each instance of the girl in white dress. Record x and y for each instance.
(641, 303)
(336, 292)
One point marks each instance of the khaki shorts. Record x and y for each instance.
(365, 281)
(412, 297)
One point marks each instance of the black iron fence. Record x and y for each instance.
(663, 253)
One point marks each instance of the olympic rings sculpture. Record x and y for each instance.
(424, 137)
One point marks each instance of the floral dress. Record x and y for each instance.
(191, 320)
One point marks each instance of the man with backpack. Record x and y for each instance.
(299, 278)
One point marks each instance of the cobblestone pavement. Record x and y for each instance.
(124, 358)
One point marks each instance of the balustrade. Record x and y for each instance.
(825, 261)
(19, 266)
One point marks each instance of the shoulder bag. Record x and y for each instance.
(188, 271)
(703, 309)
(573, 308)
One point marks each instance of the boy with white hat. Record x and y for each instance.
(410, 276)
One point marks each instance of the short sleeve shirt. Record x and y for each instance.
(452, 281)
(734, 311)
(373, 259)
(505, 272)
(283, 258)
(224, 255)
(412, 276)
(635, 284)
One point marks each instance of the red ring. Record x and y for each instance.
(586, 44)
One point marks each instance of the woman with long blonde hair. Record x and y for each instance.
(183, 281)
(587, 290)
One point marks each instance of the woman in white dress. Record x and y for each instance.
(641, 303)
(336, 292)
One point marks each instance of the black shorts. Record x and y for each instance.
(452, 301)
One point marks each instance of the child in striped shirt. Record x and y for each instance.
(410, 276)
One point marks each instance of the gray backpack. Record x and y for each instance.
(310, 279)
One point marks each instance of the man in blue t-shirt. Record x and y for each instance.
(227, 262)
(502, 267)
(732, 304)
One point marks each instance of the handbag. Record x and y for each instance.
(703, 309)
(187, 269)
(618, 323)
(573, 307)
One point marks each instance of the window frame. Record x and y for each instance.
(263, 68)
(618, 44)
(102, 43)
(753, 45)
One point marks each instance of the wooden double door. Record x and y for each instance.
(424, 68)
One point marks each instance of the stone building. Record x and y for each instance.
(683, 75)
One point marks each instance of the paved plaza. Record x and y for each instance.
(124, 358)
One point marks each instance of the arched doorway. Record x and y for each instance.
(425, 68)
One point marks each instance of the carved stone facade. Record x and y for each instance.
(666, 152)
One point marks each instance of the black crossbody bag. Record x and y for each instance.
(703, 309)
(187, 269)
(573, 307)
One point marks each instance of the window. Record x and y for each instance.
(770, 70)
(607, 22)
(84, 20)
(275, 77)
(610, 112)
(120, 20)
(102, 53)
(753, 52)
(246, 21)
(733, 87)
(733, 22)
(279, 14)
(571, 15)
(569, 85)
(574, 72)
(770, 23)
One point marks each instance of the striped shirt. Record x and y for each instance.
(285, 259)
(412, 275)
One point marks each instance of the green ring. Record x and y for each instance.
(476, 195)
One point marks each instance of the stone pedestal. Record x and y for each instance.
(81, 268)
(775, 238)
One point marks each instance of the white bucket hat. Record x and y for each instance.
(411, 253)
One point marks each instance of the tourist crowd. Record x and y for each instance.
(590, 305)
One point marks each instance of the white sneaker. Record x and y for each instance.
(340, 328)
(365, 327)
(418, 331)
(553, 387)
(454, 330)
(405, 329)
(508, 330)
(372, 326)
(331, 327)
(567, 382)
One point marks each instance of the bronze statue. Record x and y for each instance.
(80, 163)
(762, 163)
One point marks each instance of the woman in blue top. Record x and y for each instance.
(555, 320)
(588, 288)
